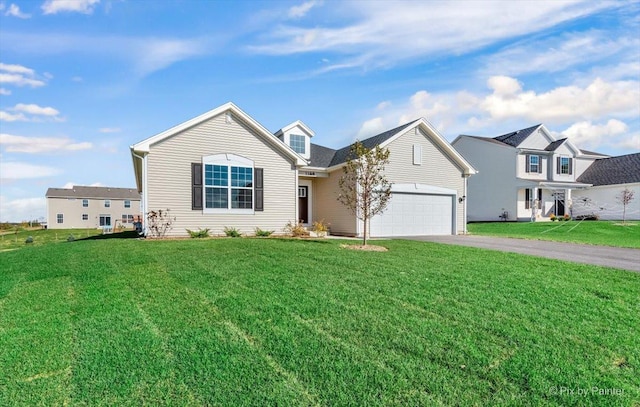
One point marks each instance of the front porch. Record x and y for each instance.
(539, 201)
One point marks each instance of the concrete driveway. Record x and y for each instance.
(627, 259)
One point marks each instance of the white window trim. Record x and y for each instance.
(229, 160)
(417, 154)
(563, 157)
(538, 164)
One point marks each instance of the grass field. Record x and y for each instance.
(11, 240)
(589, 232)
(302, 322)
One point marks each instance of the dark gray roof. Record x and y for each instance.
(321, 156)
(341, 155)
(613, 170)
(515, 138)
(553, 146)
(79, 191)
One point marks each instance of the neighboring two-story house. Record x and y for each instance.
(529, 174)
(84, 207)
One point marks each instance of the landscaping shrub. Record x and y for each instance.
(319, 226)
(263, 233)
(232, 232)
(29, 240)
(295, 230)
(591, 216)
(198, 234)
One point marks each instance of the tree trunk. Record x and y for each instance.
(364, 238)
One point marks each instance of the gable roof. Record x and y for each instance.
(144, 145)
(85, 192)
(587, 152)
(554, 145)
(516, 138)
(622, 169)
(297, 123)
(326, 157)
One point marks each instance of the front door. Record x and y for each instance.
(105, 220)
(559, 203)
(303, 204)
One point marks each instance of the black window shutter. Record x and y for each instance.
(539, 164)
(570, 166)
(527, 198)
(528, 163)
(196, 186)
(259, 188)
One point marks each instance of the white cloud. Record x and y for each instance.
(590, 136)
(31, 109)
(34, 145)
(562, 104)
(70, 185)
(384, 33)
(35, 109)
(10, 117)
(109, 130)
(145, 54)
(17, 210)
(370, 127)
(77, 6)
(16, 69)
(630, 143)
(20, 170)
(19, 75)
(14, 11)
(77, 79)
(5, 92)
(302, 9)
(557, 54)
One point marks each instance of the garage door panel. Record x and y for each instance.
(414, 215)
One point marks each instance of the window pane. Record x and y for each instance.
(127, 204)
(216, 198)
(241, 177)
(60, 218)
(85, 216)
(107, 203)
(85, 203)
(297, 143)
(241, 198)
(564, 165)
(216, 175)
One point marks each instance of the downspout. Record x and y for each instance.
(145, 206)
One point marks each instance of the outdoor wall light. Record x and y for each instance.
(462, 198)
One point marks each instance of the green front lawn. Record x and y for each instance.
(589, 232)
(13, 239)
(301, 322)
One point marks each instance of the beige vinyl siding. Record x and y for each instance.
(437, 169)
(169, 177)
(72, 210)
(327, 207)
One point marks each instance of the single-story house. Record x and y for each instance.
(84, 207)
(609, 177)
(224, 169)
(529, 175)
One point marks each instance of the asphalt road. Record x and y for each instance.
(627, 259)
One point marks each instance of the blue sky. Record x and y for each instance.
(82, 80)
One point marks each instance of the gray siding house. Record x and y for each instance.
(84, 207)
(224, 169)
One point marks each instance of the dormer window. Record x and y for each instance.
(297, 143)
(564, 165)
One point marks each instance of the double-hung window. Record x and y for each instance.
(85, 203)
(564, 165)
(60, 218)
(228, 183)
(127, 203)
(534, 164)
(107, 203)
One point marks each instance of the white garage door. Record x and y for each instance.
(415, 215)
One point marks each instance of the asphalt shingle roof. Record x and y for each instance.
(515, 138)
(320, 155)
(553, 146)
(79, 191)
(613, 170)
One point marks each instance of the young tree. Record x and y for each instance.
(364, 189)
(625, 198)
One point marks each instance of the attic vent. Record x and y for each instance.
(227, 117)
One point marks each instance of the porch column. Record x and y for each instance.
(567, 202)
(534, 203)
